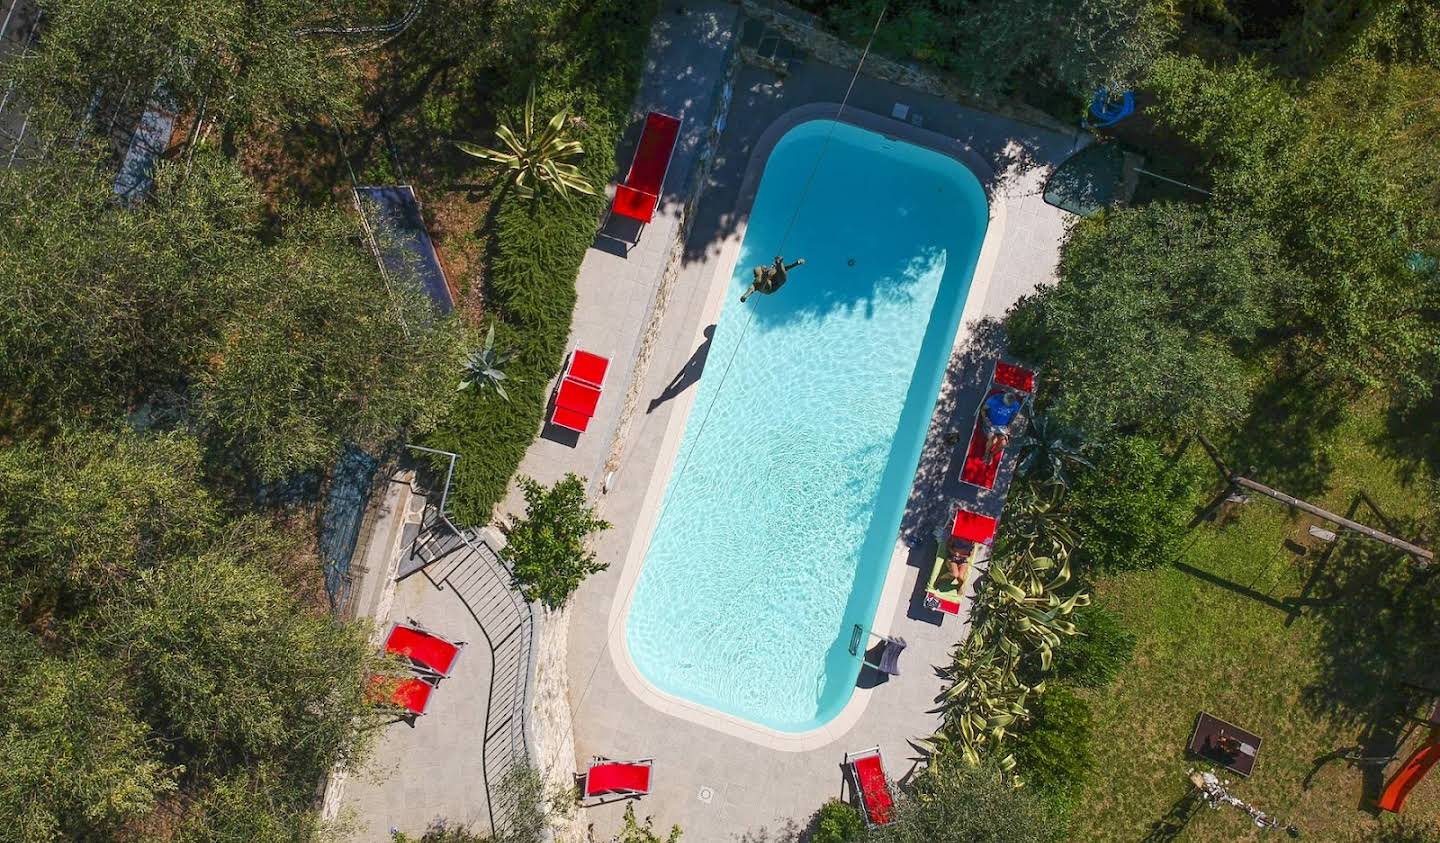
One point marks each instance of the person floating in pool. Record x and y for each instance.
(769, 279)
(997, 418)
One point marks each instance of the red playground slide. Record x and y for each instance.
(1410, 773)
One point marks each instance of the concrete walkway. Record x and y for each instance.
(717, 785)
(616, 286)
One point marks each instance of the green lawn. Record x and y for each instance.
(1213, 635)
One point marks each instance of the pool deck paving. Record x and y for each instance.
(714, 779)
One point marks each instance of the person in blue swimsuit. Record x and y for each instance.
(996, 418)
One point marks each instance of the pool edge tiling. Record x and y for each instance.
(882, 590)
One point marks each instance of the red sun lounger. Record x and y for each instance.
(620, 779)
(428, 652)
(579, 391)
(1006, 377)
(637, 196)
(867, 775)
(411, 695)
(973, 527)
(969, 527)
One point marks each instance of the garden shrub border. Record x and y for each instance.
(538, 246)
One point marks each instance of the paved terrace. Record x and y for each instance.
(712, 778)
(716, 784)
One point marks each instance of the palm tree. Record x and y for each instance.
(536, 158)
(482, 368)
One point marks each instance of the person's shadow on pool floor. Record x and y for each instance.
(688, 374)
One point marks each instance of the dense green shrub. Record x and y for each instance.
(1053, 751)
(997, 45)
(954, 802)
(838, 822)
(1131, 511)
(1152, 325)
(546, 549)
(155, 653)
(644, 832)
(276, 350)
(1101, 650)
(591, 67)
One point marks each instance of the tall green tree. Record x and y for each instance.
(1327, 169)
(99, 307)
(1153, 318)
(995, 45)
(83, 515)
(547, 549)
(278, 349)
(257, 61)
(148, 646)
(76, 762)
(231, 667)
(953, 802)
(322, 351)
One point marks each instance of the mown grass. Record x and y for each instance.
(1225, 630)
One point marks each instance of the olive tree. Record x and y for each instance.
(1334, 172)
(954, 802)
(546, 550)
(1150, 325)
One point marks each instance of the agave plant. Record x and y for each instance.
(536, 158)
(1029, 616)
(985, 700)
(1049, 451)
(1037, 523)
(482, 368)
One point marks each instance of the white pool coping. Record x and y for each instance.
(721, 268)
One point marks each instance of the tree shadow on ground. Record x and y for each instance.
(1285, 441)
(1410, 437)
(1010, 156)
(1170, 826)
(1376, 633)
(937, 479)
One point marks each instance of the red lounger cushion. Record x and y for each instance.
(570, 419)
(614, 777)
(588, 368)
(973, 527)
(874, 789)
(652, 156)
(949, 607)
(1015, 377)
(431, 651)
(637, 197)
(635, 204)
(410, 694)
(578, 397)
(977, 470)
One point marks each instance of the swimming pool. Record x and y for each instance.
(777, 527)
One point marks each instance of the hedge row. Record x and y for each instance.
(537, 247)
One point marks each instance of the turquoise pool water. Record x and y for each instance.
(778, 525)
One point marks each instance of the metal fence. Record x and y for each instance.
(466, 564)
